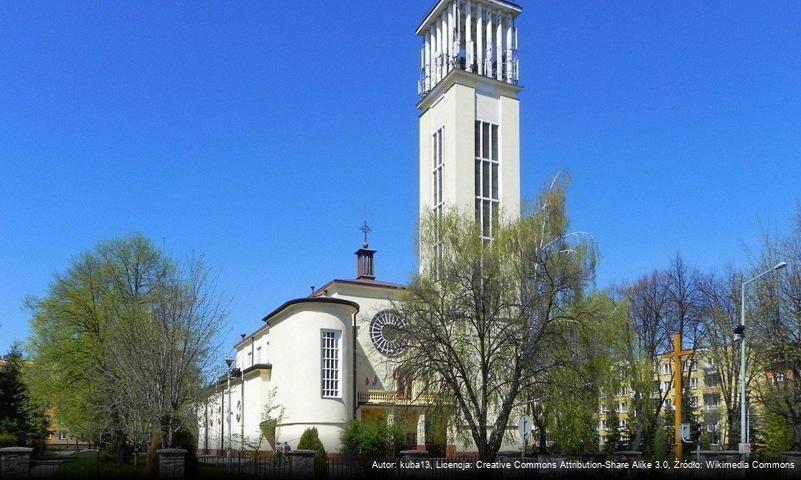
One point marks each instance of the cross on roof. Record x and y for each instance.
(365, 229)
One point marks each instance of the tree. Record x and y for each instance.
(584, 370)
(480, 316)
(612, 426)
(19, 422)
(661, 304)
(123, 340)
(643, 337)
(721, 313)
(685, 317)
(310, 440)
(271, 417)
(775, 329)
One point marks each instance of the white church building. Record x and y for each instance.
(320, 361)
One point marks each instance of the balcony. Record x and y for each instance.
(389, 397)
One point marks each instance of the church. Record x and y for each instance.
(320, 361)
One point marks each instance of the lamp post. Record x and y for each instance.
(740, 330)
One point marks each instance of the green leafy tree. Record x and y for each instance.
(662, 442)
(481, 315)
(271, 416)
(775, 329)
(777, 437)
(310, 440)
(720, 295)
(664, 436)
(583, 370)
(20, 421)
(122, 342)
(612, 428)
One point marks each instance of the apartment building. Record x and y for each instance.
(701, 381)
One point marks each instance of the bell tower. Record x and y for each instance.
(469, 110)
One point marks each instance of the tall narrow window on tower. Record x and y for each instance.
(439, 203)
(438, 168)
(486, 178)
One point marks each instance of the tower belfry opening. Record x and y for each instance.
(471, 35)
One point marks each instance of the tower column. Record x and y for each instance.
(449, 46)
(488, 46)
(427, 60)
(443, 46)
(479, 39)
(438, 50)
(517, 60)
(499, 47)
(468, 36)
(508, 50)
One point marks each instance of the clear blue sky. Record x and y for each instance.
(260, 136)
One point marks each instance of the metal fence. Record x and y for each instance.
(243, 464)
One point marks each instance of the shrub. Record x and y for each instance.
(9, 440)
(310, 440)
(778, 437)
(661, 444)
(706, 441)
(373, 439)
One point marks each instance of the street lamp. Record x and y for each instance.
(740, 330)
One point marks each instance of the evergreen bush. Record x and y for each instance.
(310, 440)
(661, 444)
(8, 440)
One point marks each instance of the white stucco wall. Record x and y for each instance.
(370, 363)
(295, 341)
(455, 105)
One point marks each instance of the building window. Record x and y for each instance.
(330, 363)
(712, 380)
(694, 382)
(711, 401)
(666, 386)
(258, 354)
(63, 436)
(438, 163)
(666, 369)
(486, 178)
(250, 359)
